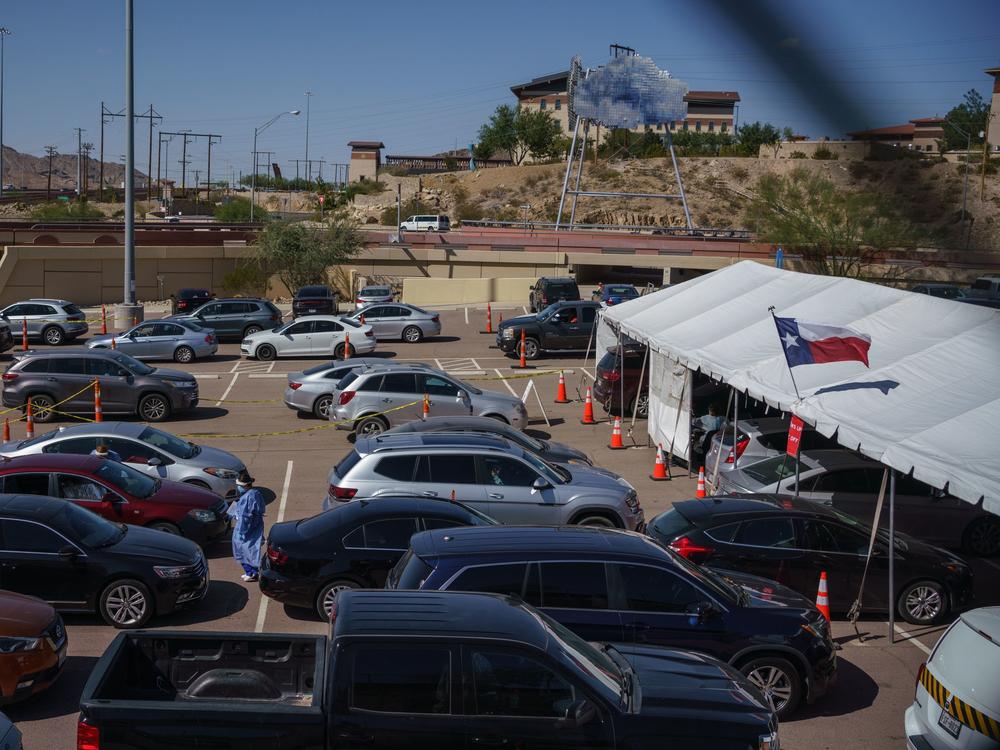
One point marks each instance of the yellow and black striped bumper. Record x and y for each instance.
(971, 717)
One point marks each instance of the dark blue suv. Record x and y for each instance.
(621, 587)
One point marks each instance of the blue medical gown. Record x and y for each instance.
(248, 527)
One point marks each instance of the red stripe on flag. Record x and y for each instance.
(850, 349)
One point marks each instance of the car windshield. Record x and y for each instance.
(351, 322)
(192, 326)
(127, 479)
(619, 290)
(131, 364)
(38, 440)
(583, 654)
(548, 311)
(172, 445)
(375, 291)
(347, 380)
(466, 386)
(87, 528)
(555, 474)
(321, 368)
(771, 470)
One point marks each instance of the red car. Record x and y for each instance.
(118, 493)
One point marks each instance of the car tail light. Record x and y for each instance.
(295, 386)
(276, 556)
(9, 376)
(360, 301)
(740, 447)
(88, 737)
(333, 612)
(545, 300)
(209, 339)
(342, 493)
(346, 396)
(276, 318)
(612, 376)
(688, 549)
(436, 319)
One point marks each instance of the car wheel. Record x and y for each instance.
(640, 406)
(184, 354)
(154, 408)
(923, 603)
(778, 680)
(250, 330)
(597, 520)
(412, 335)
(370, 426)
(265, 353)
(982, 537)
(53, 336)
(338, 351)
(126, 604)
(322, 406)
(166, 527)
(532, 350)
(41, 408)
(328, 595)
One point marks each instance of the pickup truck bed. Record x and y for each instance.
(250, 689)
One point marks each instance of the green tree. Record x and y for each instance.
(753, 135)
(238, 210)
(837, 232)
(300, 255)
(518, 132)
(970, 116)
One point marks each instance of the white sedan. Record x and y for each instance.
(314, 336)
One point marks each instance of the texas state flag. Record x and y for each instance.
(813, 344)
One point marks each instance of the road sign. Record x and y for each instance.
(794, 436)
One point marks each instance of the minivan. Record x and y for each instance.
(426, 223)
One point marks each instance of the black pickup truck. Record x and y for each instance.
(561, 326)
(408, 669)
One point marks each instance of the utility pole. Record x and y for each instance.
(308, 102)
(197, 176)
(154, 119)
(129, 311)
(79, 159)
(87, 148)
(50, 151)
(184, 161)
(4, 32)
(208, 177)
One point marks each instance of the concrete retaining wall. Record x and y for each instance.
(423, 291)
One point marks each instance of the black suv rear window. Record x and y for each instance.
(669, 525)
(569, 291)
(314, 291)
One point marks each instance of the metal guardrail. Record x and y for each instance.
(700, 232)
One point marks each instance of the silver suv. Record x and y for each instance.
(490, 474)
(369, 402)
(313, 390)
(54, 321)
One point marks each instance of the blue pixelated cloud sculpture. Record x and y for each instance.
(630, 91)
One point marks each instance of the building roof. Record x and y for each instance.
(366, 144)
(928, 121)
(897, 130)
(545, 82)
(995, 72)
(712, 96)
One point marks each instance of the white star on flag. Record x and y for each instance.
(791, 340)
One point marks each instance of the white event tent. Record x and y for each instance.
(928, 404)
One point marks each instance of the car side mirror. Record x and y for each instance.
(540, 484)
(69, 552)
(154, 461)
(701, 611)
(578, 714)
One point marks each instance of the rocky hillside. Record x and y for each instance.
(25, 170)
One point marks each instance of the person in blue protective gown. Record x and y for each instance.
(247, 513)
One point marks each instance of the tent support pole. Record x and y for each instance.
(718, 456)
(642, 375)
(673, 437)
(892, 555)
(736, 422)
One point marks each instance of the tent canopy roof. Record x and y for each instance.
(929, 403)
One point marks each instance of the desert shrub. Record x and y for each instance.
(824, 154)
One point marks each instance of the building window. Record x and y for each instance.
(558, 103)
(542, 104)
(697, 126)
(723, 127)
(659, 126)
(685, 125)
(711, 125)
(673, 125)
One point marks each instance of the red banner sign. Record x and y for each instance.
(794, 436)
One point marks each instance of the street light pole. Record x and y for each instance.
(308, 167)
(129, 312)
(257, 131)
(3, 33)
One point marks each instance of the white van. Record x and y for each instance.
(957, 705)
(428, 223)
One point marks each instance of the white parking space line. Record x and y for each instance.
(587, 372)
(525, 309)
(466, 315)
(500, 374)
(262, 609)
(990, 563)
(267, 375)
(911, 638)
(437, 363)
(228, 389)
(475, 365)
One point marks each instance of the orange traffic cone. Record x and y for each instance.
(6, 430)
(523, 363)
(113, 344)
(561, 391)
(453, 495)
(588, 410)
(616, 443)
(700, 489)
(24, 334)
(98, 412)
(427, 407)
(104, 320)
(659, 466)
(822, 598)
(29, 420)
(347, 345)
(489, 319)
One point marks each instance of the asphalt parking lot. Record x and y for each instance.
(241, 411)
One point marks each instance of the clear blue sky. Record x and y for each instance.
(423, 76)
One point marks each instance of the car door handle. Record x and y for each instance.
(490, 740)
(496, 496)
(429, 493)
(387, 401)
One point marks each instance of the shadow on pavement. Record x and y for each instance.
(443, 339)
(204, 413)
(854, 691)
(221, 358)
(224, 598)
(62, 698)
(300, 614)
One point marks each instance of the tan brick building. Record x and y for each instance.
(993, 126)
(921, 134)
(366, 159)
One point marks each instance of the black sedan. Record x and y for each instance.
(355, 545)
(79, 562)
(793, 541)
(314, 300)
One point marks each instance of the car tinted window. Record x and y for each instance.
(668, 525)
(438, 386)
(399, 468)
(910, 486)
(830, 537)
(443, 523)
(574, 585)
(390, 533)
(303, 327)
(589, 314)
(414, 679)
(409, 573)
(767, 532)
(104, 367)
(399, 382)
(206, 310)
(73, 487)
(492, 579)
(24, 536)
(68, 365)
(346, 464)
(561, 289)
(146, 329)
(724, 533)
(403, 312)
(509, 684)
(349, 378)
(15, 310)
(236, 308)
(39, 364)
(314, 291)
(26, 484)
(648, 589)
(453, 469)
(356, 539)
(327, 326)
(132, 451)
(80, 446)
(168, 329)
(370, 384)
(771, 470)
(850, 480)
(507, 472)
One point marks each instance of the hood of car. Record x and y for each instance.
(216, 457)
(105, 338)
(675, 682)
(520, 320)
(181, 493)
(491, 398)
(22, 615)
(585, 477)
(155, 547)
(765, 593)
(563, 453)
(166, 373)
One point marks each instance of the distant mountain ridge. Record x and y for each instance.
(25, 170)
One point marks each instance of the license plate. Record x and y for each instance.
(949, 723)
